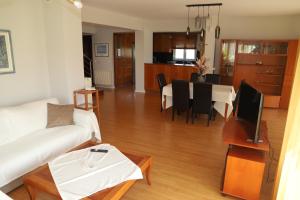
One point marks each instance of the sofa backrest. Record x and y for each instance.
(18, 121)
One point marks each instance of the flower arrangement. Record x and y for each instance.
(203, 69)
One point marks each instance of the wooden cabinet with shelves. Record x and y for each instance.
(263, 64)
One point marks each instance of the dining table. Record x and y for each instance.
(222, 95)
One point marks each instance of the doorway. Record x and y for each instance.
(124, 59)
(87, 45)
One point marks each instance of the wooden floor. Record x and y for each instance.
(188, 159)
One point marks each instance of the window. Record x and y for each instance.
(179, 54)
(184, 54)
(190, 54)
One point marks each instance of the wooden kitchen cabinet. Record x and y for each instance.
(162, 42)
(166, 42)
(171, 72)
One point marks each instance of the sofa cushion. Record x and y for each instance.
(33, 150)
(5, 127)
(24, 119)
(59, 115)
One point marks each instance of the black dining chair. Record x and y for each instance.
(194, 77)
(202, 100)
(161, 83)
(181, 98)
(212, 78)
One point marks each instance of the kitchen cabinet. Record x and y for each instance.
(166, 42)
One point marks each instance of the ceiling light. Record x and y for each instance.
(77, 3)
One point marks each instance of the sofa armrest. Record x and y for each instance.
(88, 120)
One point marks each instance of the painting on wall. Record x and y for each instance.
(101, 49)
(6, 54)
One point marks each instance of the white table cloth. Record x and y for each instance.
(221, 94)
(81, 173)
(4, 196)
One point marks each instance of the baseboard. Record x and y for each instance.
(139, 91)
(106, 86)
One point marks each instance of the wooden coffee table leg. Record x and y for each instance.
(148, 170)
(31, 191)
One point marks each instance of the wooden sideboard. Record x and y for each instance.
(268, 65)
(171, 72)
(245, 161)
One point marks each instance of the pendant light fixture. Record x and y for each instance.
(208, 20)
(197, 20)
(188, 30)
(218, 28)
(203, 25)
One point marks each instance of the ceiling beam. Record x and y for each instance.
(204, 5)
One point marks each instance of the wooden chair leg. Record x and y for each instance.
(173, 110)
(187, 116)
(193, 117)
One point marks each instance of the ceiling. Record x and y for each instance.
(175, 9)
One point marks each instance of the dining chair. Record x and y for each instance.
(181, 98)
(202, 100)
(161, 83)
(194, 77)
(212, 78)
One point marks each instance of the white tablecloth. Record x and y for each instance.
(221, 94)
(81, 173)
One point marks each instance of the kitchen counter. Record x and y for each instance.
(171, 72)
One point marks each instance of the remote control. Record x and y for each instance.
(99, 150)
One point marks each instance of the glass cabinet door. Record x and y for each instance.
(227, 61)
(249, 47)
(275, 48)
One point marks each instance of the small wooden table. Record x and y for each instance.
(40, 180)
(245, 161)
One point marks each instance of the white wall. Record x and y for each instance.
(64, 49)
(47, 47)
(26, 22)
(103, 34)
(110, 18)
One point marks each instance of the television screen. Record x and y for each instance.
(250, 108)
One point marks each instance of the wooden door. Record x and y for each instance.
(124, 58)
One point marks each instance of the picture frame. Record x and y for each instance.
(6, 53)
(101, 49)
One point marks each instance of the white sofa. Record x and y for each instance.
(26, 143)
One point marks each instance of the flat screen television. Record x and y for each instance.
(250, 107)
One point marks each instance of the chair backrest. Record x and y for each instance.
(161, 81)
(212, 78)
(180, 94)
(202, 97)
(194, 77)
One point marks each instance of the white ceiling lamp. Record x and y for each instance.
(77, 3)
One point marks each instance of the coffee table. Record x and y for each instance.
(40, 180)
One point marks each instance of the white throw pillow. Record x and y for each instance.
(28, 117)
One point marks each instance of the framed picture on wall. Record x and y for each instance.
(6, 54)
(101, 49)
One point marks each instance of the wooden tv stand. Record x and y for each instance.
(245, 161)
